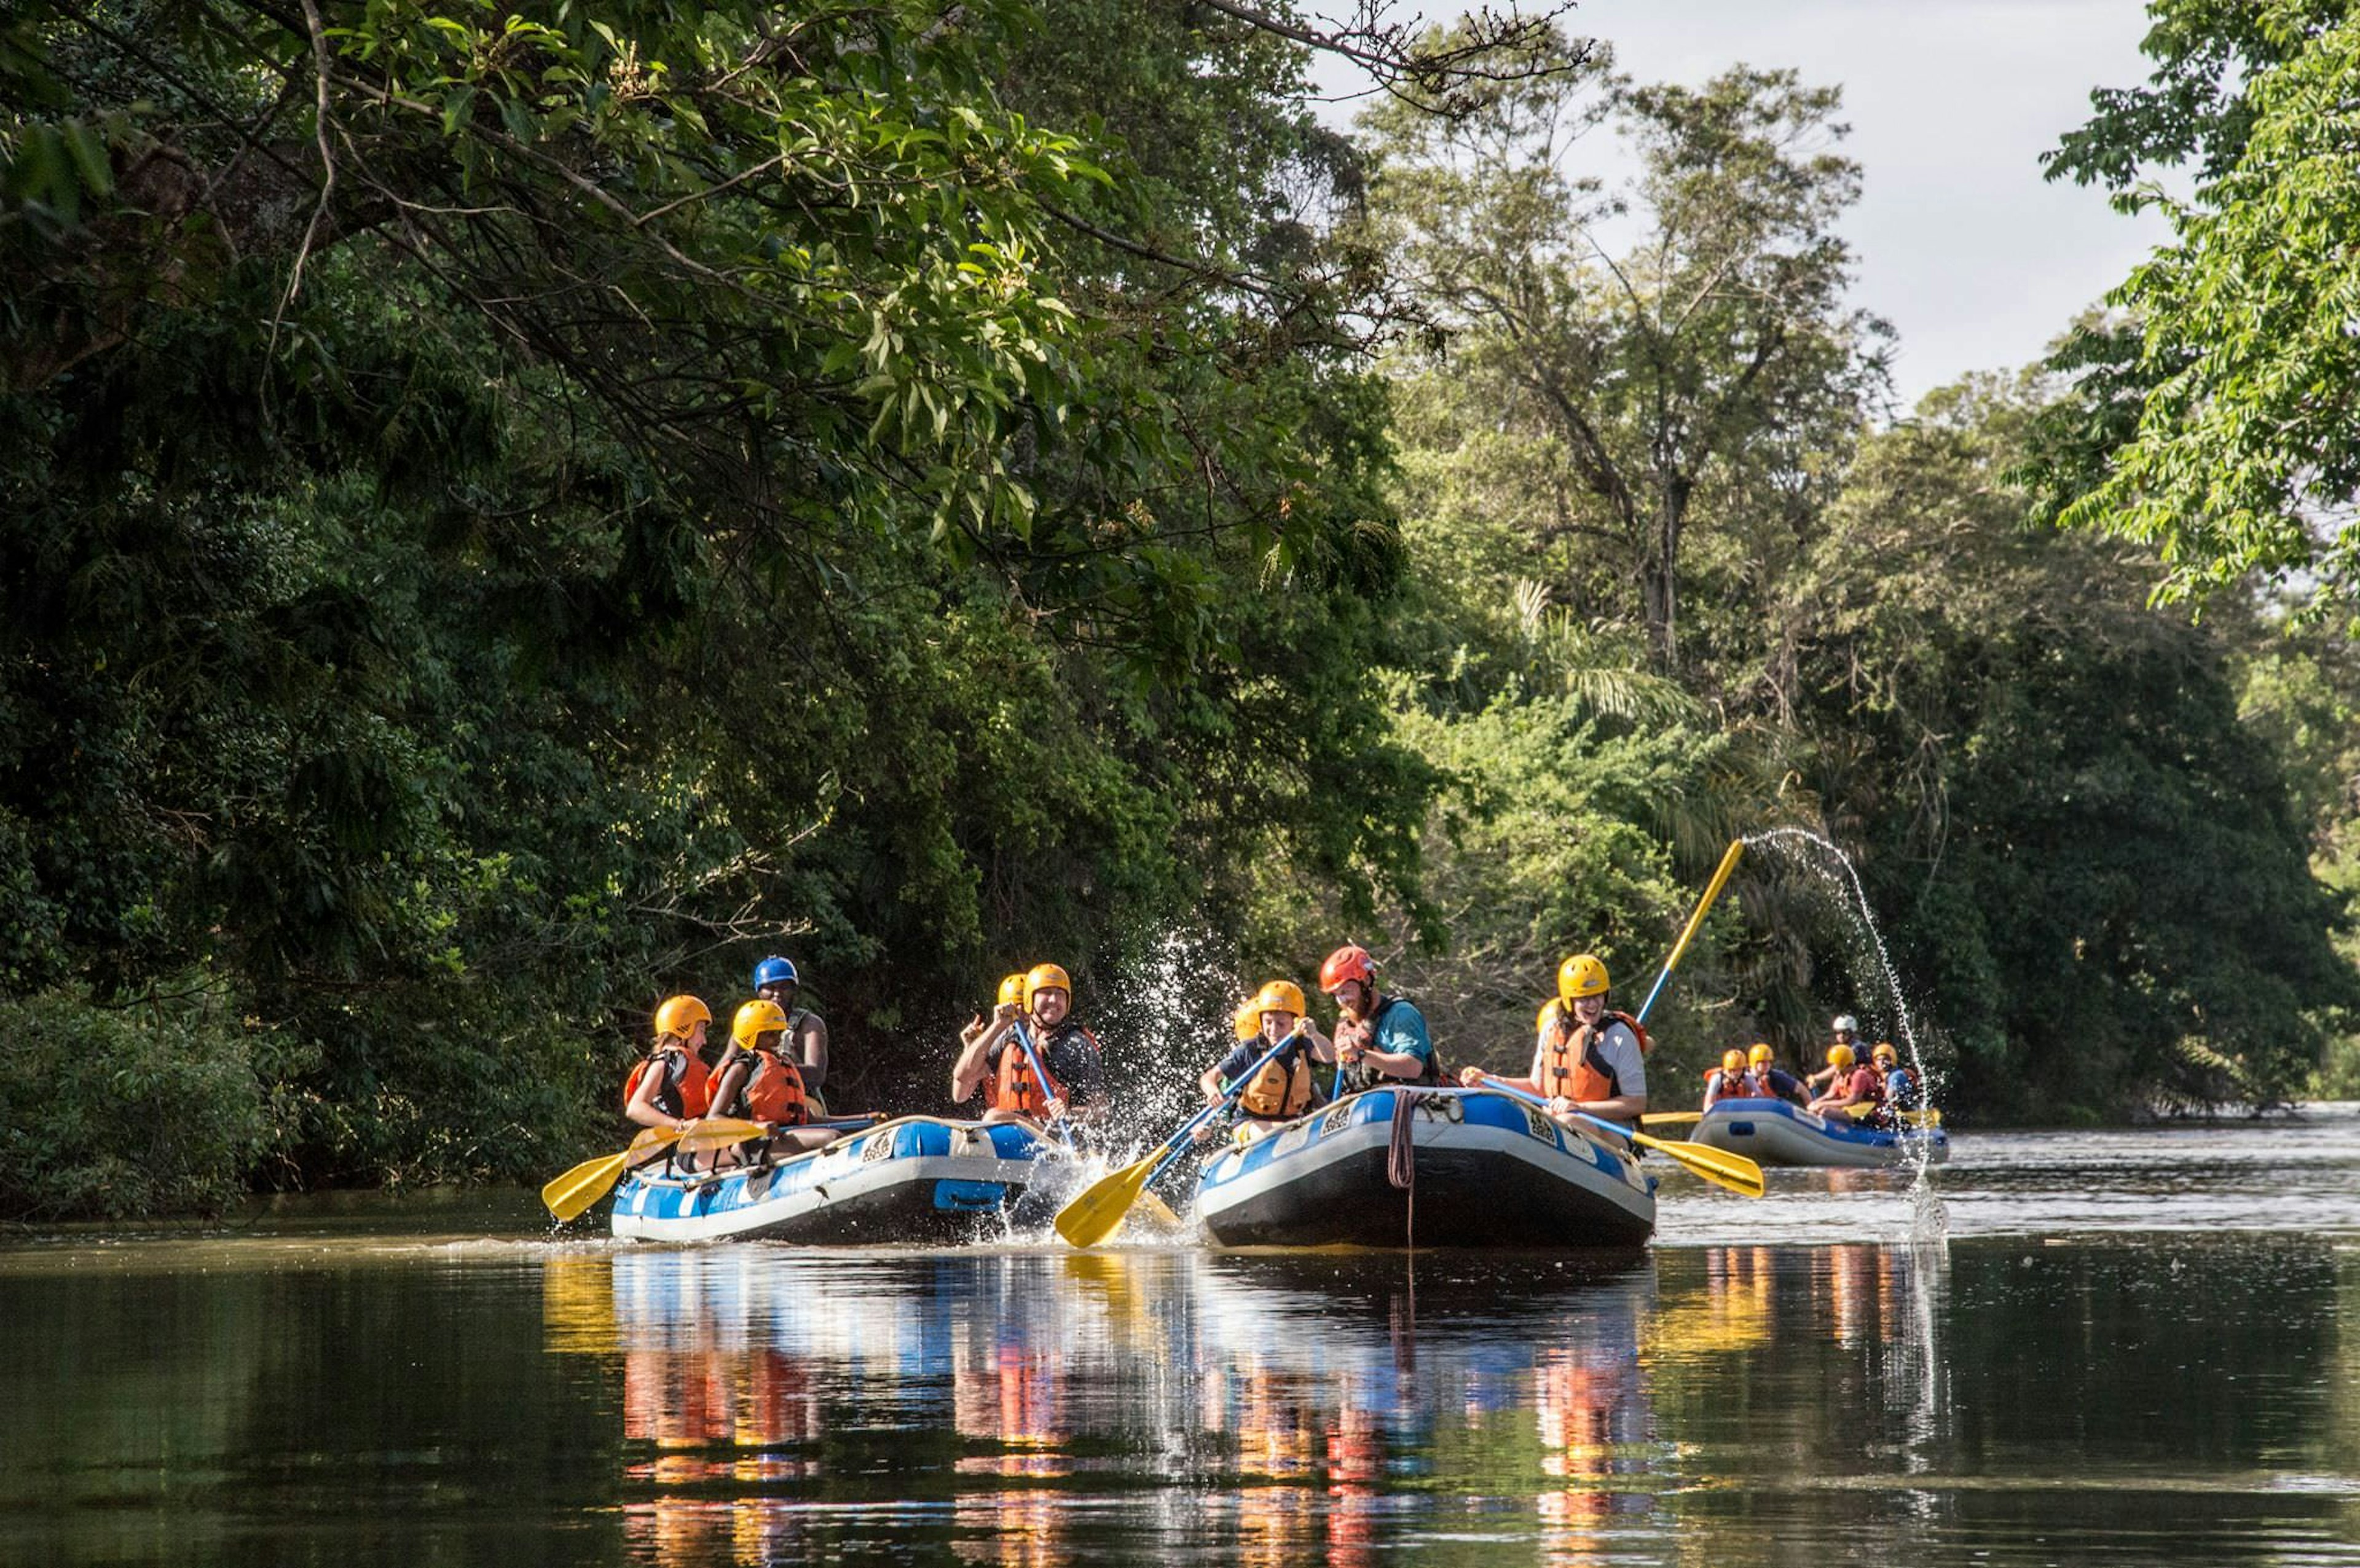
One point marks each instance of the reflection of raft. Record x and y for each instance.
(1483, 1170)
(916, 1179)
(1772, 1132)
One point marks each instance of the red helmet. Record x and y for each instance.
(1350, 962)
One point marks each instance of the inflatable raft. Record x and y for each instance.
(1428, 1168)
(1772, 1132)
(918, 1180)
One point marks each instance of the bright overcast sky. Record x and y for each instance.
(1960, 243)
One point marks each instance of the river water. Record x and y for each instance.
(2132, 1346)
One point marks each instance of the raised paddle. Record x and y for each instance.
(1711, 891)
(1097, 1212)
(569, 1194)
(1734, 1171)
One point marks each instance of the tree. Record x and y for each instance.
(1619, 387)
(2097, 873)
(2213, 424)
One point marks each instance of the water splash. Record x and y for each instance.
(1821, 856)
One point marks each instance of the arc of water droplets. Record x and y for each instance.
(1928, 1223)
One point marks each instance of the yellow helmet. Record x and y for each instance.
(1733, 1061)
(1247, 1020)
(756, 1018)
(1011, 989)
(1280, 996)
(679, 1015)
(1840, 1056)
(1582, 975)
(1045, 977)
(1760, 1055)
(1885, 1052)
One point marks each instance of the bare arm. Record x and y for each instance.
(966, 1074)
(811, 1046)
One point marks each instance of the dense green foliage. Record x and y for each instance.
(163, 1104)
(505, 513)
(2208, 421)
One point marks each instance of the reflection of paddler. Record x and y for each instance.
(1012, 1530)
(1356, 1467)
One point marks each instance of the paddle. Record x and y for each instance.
(726, 1132)
(1929, 1117)
(569, 1194)
(1671, 1118)
(1097, 1212)
(1734, 1171)
(1711, 891)
(1024, 1038)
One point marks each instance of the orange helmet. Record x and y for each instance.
(679, 1015)
(1280, 996)
(1045, 977)
(1350, 961)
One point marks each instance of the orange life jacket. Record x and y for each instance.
(1279, 1092)
(1732, 1086)
(1570, 1064)
(1012, 1087)
(773, 1092)
(686, 1089)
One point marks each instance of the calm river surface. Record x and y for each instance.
(2133, 1347)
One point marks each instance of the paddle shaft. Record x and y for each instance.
(1728, 1170)
(1711, 891)
(1173, 1147)
(1041, 1076)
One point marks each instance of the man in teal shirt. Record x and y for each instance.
(1381, 1038)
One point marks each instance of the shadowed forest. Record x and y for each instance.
(508, 512)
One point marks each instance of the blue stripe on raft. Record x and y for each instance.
(966, 1195)
(1480, 1109)
(910, 1141)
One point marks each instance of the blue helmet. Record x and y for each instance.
(774, 972)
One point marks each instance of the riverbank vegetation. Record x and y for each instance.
(505, 514)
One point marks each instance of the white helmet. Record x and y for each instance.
(1845, 1024)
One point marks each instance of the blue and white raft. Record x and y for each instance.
(917, 1179)
(1428, 1168)
(1772, 1132)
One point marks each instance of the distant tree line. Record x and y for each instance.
(506, 512)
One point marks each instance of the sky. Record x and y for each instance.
(1958, 241)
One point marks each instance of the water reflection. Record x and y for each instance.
(1308, 1408)
(1998, 1400)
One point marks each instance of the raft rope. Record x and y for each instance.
(1401, 1159)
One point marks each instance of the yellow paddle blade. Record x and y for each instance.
(592, 1179)
(1098, 1213)
(720, 1132)
(1734, 1171)
(1671, 1118)
(1162, 1212)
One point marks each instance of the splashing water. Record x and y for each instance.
(1821, 856)
(1165, 1016)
